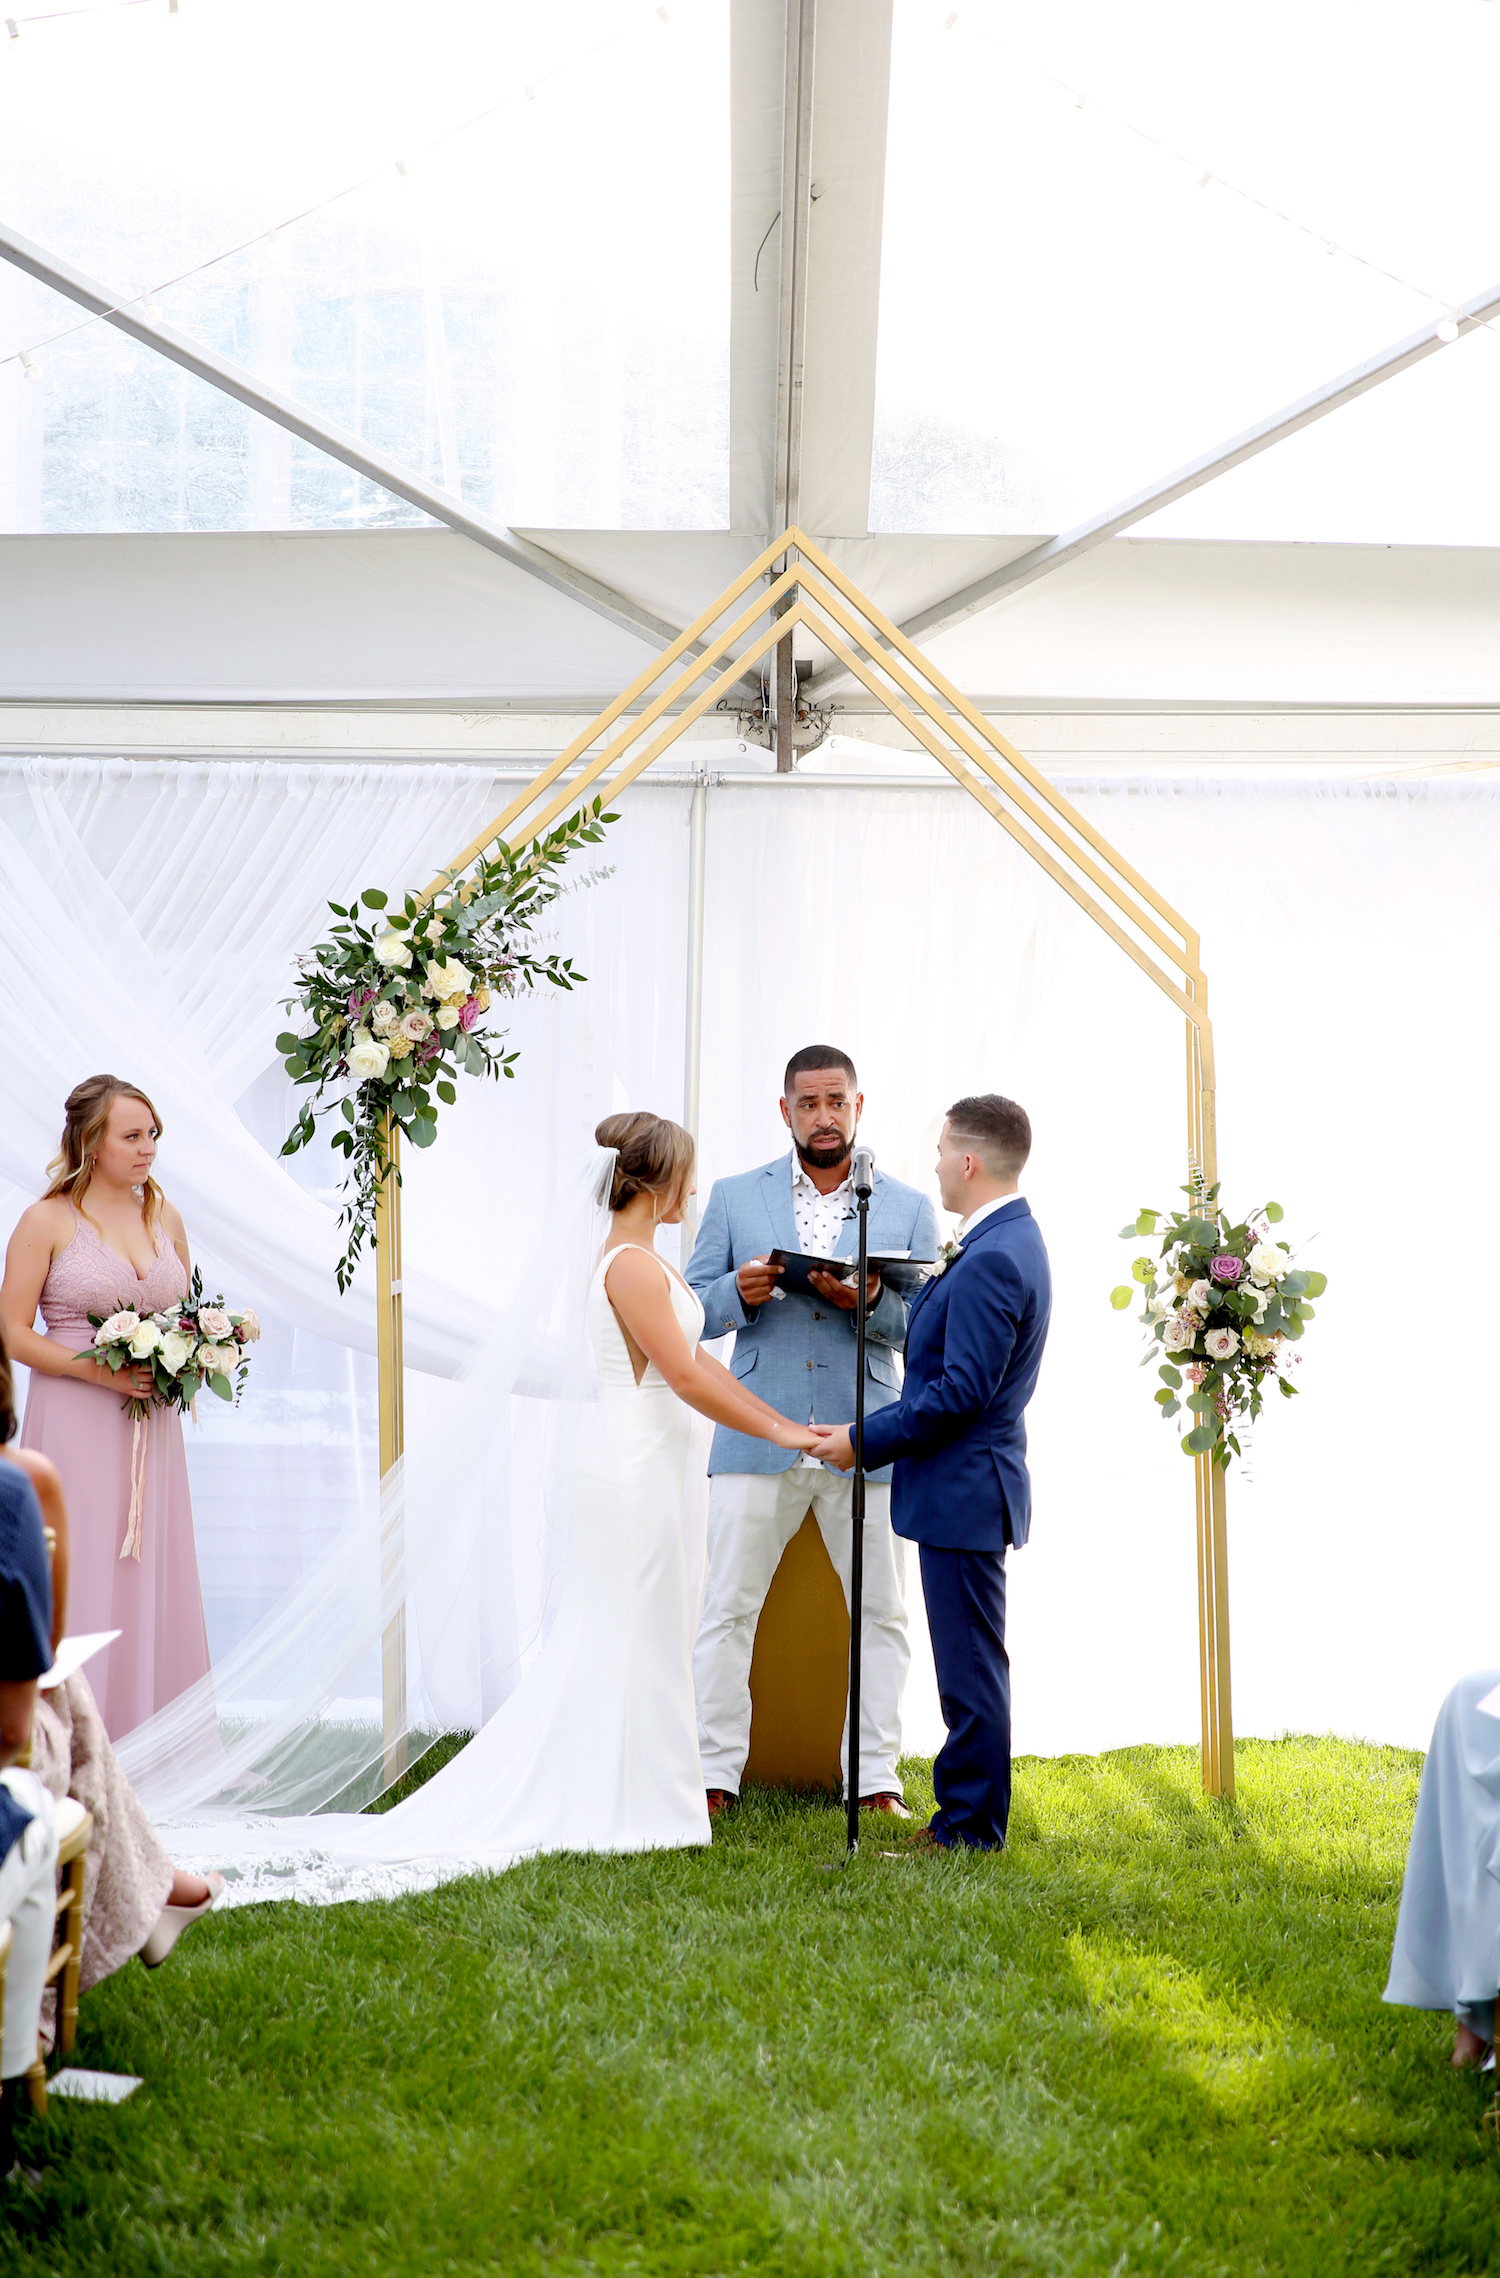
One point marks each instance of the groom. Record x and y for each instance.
(974, 1343)
(797, 1353)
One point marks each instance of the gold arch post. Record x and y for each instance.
(802, 586)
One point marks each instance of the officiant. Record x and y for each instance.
(797, 1351)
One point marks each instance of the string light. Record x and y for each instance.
(1235, 189)
(29, 366)
(1447, 331)
(59, 15)
(269, 236)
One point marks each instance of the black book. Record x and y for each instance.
(897, 1269)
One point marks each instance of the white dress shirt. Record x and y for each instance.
(818, 1217)
(987, 1210)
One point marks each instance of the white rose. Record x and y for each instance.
(117, 1326)
(144, 1340)
(213, 1323)
(250, 1323)
(367, 1059)
(216, 1360)
(449, 980)
(393, 949)
(416, 1027)
(447, 1016)
(176, 1351)
(1259, 1298)
(1221, 1343)
(385, 1019)
(1268, 1262)
(1202, 1297)
(1180, 1334)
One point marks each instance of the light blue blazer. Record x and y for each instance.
(797, 1353)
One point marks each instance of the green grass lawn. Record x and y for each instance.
(1148, 2038)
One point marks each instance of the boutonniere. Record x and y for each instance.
(946, 1256)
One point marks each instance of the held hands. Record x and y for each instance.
(844, 1294)
(805, 1438)
(835, 1445)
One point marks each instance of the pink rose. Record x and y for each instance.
(1226, 1267)
(469, 1013)
(358, 998)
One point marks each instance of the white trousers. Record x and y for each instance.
(28, 1902)
(752, 1516)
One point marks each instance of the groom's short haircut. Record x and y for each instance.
(817, 1056)
(998, 1131)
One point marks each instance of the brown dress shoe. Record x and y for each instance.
(888, 1801)
(720, 1800)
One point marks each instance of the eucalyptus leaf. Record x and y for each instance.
(1199, 1442)
(287, 1042)
(1143, 1270)
(1118, 1298)
(1201, 1403)
(1316, 1284)
(447, 1093)
(1172, 1376)
(1275, 1213)
(220, 1383)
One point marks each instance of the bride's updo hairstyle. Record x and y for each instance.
(87, 1110)
(652, 1155)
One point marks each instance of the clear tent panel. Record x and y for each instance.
(531, 310)
(1114, 239)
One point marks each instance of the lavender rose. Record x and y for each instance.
(1226, 1267)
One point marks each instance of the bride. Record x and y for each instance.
(597, 1748)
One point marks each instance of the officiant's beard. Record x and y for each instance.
(828, 1155)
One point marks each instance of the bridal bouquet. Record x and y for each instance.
(397, 1001)
(1224, 1305)
(193, 1345)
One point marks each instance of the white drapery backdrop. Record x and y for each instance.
(1352, 942)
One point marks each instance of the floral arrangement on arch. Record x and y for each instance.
(1225, 1305)
(395, 1005)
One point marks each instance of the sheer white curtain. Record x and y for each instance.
(1352, 943)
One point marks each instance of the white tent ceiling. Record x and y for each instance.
(1048, 258)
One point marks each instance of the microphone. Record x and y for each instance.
(863, 1170)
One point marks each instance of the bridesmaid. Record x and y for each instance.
(103, 1237)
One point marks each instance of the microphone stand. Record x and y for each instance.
(864, 1180)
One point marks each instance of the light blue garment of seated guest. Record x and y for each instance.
(1447, 1950)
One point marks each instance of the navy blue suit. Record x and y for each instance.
(957, 1435)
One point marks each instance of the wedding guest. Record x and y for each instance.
(801, 1352)
(103, 1238)
(28, 1836)
(1447, 1949)
(134, 1900)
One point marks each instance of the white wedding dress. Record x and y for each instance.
(597, 1749)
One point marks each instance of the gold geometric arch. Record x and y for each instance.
(676, 689)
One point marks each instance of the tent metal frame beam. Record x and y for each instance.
(230, 379)
(1042, 560)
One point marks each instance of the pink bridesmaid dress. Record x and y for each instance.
(153, 1598)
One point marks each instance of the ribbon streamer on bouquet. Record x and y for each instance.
(131, 1546)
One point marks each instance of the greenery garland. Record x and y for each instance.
(1225, 1312)
(394, 1006)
